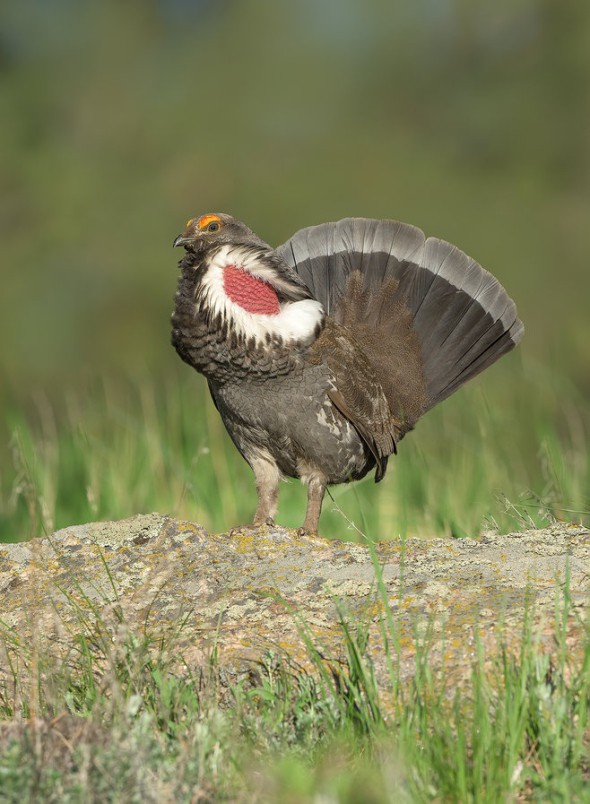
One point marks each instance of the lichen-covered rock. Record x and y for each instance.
(259, 589)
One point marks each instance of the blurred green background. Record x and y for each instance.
(470, 119)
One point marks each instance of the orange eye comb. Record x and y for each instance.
(205, 220)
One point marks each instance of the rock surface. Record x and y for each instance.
(250, 592)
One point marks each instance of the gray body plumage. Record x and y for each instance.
(404, 321)
(266, 419)
(273, 398)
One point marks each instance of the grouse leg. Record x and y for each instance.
(316, 488)
(267, 475)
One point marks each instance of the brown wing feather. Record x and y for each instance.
(357, 394)
(382, 323)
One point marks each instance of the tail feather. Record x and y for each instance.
(478, 358)
(431, 317)
(324, 256)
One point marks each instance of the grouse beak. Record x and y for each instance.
(181, 240)
(189, 236)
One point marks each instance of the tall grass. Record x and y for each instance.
(505, 455)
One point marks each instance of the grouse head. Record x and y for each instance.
(214, 229)
(230, 276)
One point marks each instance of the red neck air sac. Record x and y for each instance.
(249, 292)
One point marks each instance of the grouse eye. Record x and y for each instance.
(209, 223)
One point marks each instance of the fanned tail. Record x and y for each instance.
(428, 316)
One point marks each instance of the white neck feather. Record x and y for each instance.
(295, 321)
